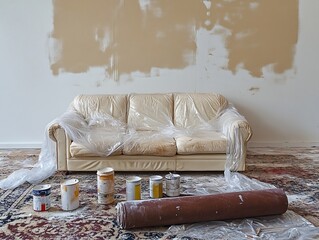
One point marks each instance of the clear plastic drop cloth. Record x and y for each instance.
(288, 226)
(44, 168)
(232, 125)
(101, 134)
(91, 134)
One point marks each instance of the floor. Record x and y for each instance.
(293, 169)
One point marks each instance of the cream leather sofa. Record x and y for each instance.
(149, 132)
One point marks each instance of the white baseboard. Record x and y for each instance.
(279, 144)
(10, 145)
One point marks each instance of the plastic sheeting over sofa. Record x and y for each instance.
(144, 124)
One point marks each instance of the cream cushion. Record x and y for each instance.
(150, 143)
(211, 142)
(197, 109)
(105, 116)
(98, 143)
(148, 112)
(79, 150)
(107, 111)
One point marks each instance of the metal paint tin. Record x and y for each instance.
(156, 186)
(172, 181)
(105, 185)
(70, 194)
(133, 188)
(41, 197)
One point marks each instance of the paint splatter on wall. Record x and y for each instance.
(125, 36)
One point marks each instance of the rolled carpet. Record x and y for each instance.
(191, 209)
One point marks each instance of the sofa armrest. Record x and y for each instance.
(68, 127)
(51, 131)
(238, 132)
(243, 127)
(58, 135)
(231, 124)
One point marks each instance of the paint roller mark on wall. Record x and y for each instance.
(137, 36)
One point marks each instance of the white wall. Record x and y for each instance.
(282, 108)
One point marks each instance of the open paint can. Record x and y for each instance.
(156, 186)
(105, 185)
(41, 197)
(133, 188)
(70, 191)
(172, 181)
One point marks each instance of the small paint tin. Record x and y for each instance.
(105, 186)
(156, 186)
(133, 188)
(41, 197)
(172, 181)
(70, 191)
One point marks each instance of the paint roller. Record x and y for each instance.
(192, 209)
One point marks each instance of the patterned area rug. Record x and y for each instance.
(294, 170)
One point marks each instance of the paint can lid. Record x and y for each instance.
(156, 178)
(133, 179)
(70, 182)
(172, 176)
(105, 171)
(41, 190)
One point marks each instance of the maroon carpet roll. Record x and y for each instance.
(191, 209)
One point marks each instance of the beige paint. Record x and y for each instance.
(263, 33)
(124, 37)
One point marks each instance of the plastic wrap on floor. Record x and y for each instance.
(284, 227)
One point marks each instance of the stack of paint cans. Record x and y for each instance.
(105, 186)
(70, 191)
(133, 188)
(172, 181)
(156, 186)
(41, 197)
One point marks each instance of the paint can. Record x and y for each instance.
(41, 197)
(156, 186)
(133, 188)
(70, 194)
(172, 181)
(105, 186)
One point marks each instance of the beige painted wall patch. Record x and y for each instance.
(125, 36)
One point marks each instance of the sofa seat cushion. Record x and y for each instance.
(150, 143)
(211, 142)
(103, 144)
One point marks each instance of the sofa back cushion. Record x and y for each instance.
(108, 111)
(194, 110)
(150, 112)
